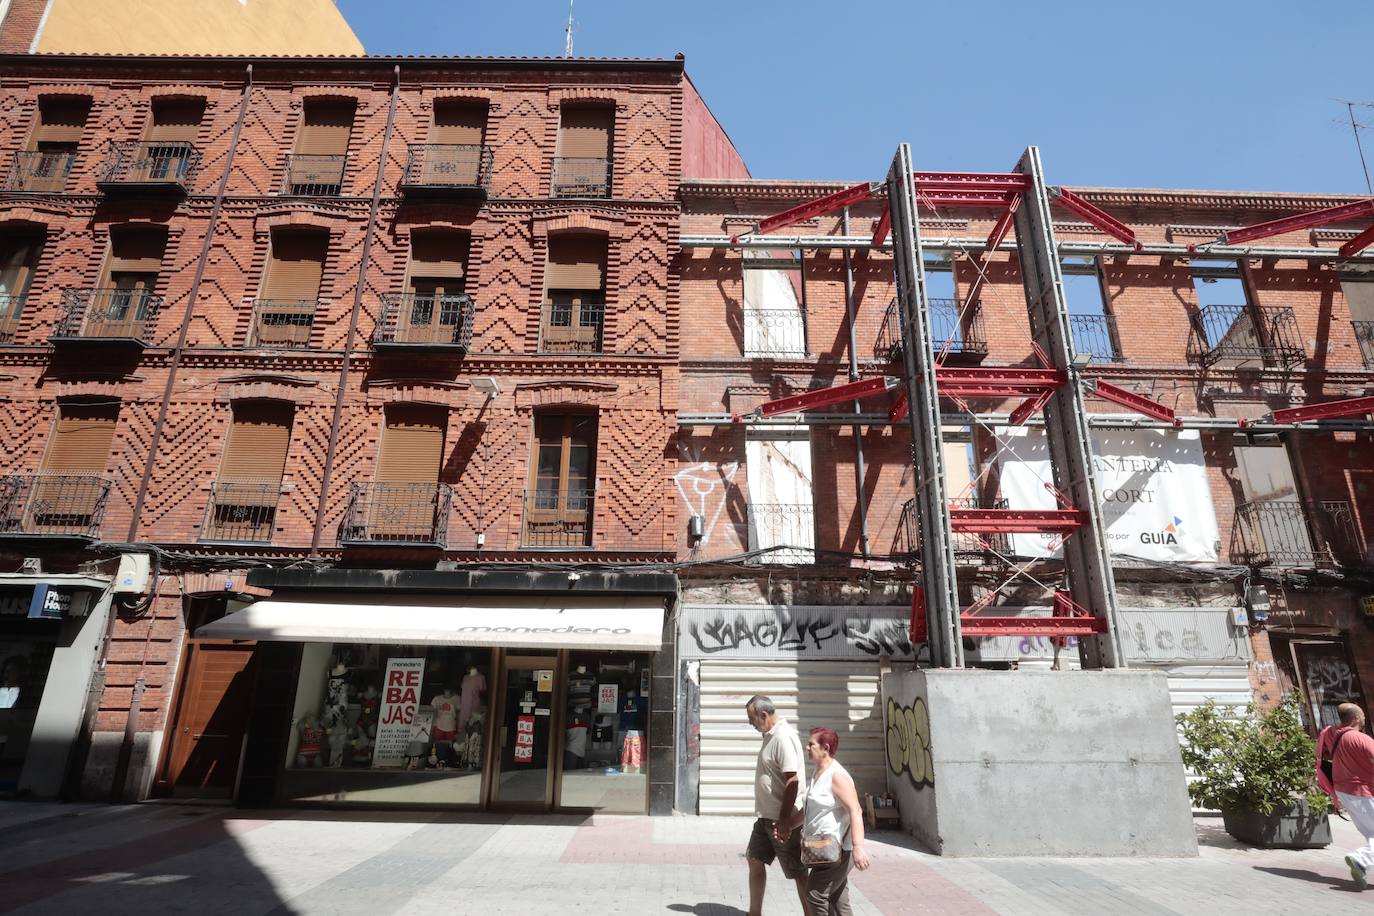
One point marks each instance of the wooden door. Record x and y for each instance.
(210, 721)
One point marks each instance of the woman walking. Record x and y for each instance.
(832, 828)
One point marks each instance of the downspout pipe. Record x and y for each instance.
(342, 393)
(859, 473)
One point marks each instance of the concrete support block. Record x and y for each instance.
(1028, 763)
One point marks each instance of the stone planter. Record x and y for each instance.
(1292, 827)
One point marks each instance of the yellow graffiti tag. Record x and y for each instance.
(908, 742)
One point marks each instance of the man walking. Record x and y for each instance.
(1351, 753)
(779, 777)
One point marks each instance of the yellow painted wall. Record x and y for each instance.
(196, 27)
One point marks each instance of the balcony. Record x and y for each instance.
(40, 171)
(425, 322)
(283, 323)
(789, 526)
(109, 315)
(158, 166)
(967, 546)
(11, 309)
(556, 518)
(447, 170)
(241, 513)
(397, 515)
(581, 177)
(1364, 333)
(774, 334)
(1247, 336)
(1094, 336)
(52, 505)
(1291, 534)
(314, 176)
(568, 328)
(951, 333)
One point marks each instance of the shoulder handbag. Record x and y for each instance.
(1328, 762)
(820, 850)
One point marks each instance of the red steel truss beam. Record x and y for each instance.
(899, 409)
(1001, 381)
(1330, 410)
(1029, 408)
(995, 238)
(1032, 626)
(994, 199)
(976, 181)
(824, 397)
(881, 230)
(1095, 215)
(821, 205)
(1139, 403)
(1357, 244)
(1017, 521)
(919, 628)
(1308, 220)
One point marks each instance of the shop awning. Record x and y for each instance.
(604, 622)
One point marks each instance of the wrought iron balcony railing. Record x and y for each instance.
(11, 309)
(558, 518)
(970, 547)
(1364, 333)
(283, 323)
(1247, 335)
(953, 329)
(789, 526)
(107, 314)
(397, 514)
(1288, 533)
(451, 167)
(40, 171)
(409, 320)
(314, 176)
(581, 177)
(567, 328)
(157, 164)
(241, 512)
(53, 505)
(774, 334)
(1094, 336)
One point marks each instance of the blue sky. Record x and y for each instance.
(1226, 94)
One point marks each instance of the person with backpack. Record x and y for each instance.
(1345, 769)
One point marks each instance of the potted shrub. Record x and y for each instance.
(1256, 768)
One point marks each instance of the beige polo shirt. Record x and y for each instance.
(780, 753)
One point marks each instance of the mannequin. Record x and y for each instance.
(336, 697)
(581, 687)
(471, 690)
(445, 705)
(575, 745)
(311, 745)
(632, 745)
(472, 746)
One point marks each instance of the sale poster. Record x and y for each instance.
(607, 696)
(524, 739)
(400, 701)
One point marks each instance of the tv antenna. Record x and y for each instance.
(1355, 128)
(568, 32)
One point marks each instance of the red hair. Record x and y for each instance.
(827, 739)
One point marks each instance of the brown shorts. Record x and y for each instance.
(765, 849)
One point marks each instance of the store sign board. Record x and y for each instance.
(524, 739)
(400, 702)
(795, 631)
(1176, 635)
(48, 603)
(43, 602)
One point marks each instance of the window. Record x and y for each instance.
(170, 148)
(285, 311)
(403, 504)
(1359, 296)
(316, 168)
(781, 507)
(70, 491)
(774, 307)
(455, 154)
(435, 307)
(1091, 324)
(582, 162)
(18, 257)
(53, 145)
(558, 508)
(243, 503)
(1228, 324)
(574, 299)
(125, 302)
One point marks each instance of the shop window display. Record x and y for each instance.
(388, 723)
(606, 738)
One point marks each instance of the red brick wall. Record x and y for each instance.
(21, 25)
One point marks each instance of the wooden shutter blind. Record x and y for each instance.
(458, 122)
(297, 266)
(585, 132)
(176, 119)
(325, 127)
(81, 439)
(136, 251)
(412, 444)
(259, 435)
(576, 262)
(438, 254)
(61, 119)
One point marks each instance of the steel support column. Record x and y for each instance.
(1086, 561)
(927, 446)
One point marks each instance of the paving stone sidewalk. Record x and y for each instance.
(169, 858)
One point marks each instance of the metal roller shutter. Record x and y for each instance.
(61, 119)
(458, 123)
(297, 266)
(81, 439)
(585, 132)
(412, 444)
(843, 695)
(438, 254)
(576, 262)
(259, 436)
(325, 128)
(176, 120)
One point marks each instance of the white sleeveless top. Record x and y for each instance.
(824, 816)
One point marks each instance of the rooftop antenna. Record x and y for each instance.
(567, 32)
(1355, 128)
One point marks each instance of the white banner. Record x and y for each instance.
(1156, 502)
(400, 701)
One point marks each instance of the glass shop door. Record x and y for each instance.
(526, 741)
